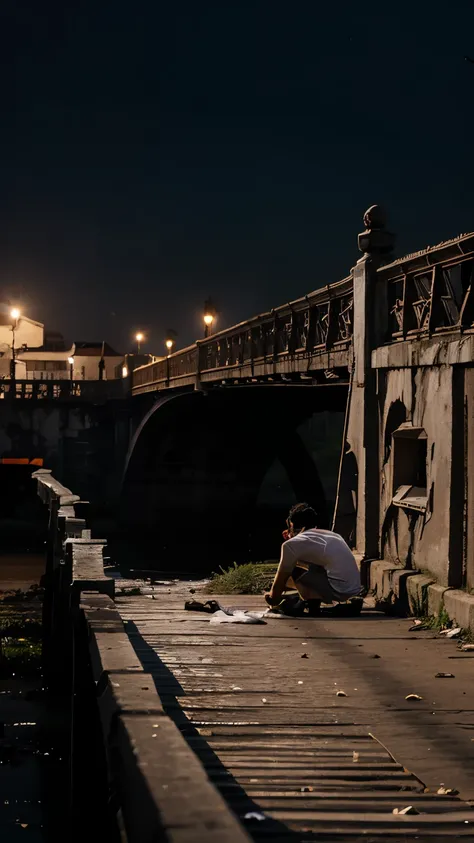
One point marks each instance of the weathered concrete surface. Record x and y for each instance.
(424, 540)
(275, 738)
(163, 792)
(410, 592)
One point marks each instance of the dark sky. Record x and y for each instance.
(154, 153)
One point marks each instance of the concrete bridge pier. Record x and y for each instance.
(369, 331)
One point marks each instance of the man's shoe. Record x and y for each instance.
(313, 608)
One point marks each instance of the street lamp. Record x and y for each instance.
(70, 360)
(139, 338)
(15, 315)
(169, 345)
(209, 316)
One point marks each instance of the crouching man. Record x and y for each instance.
(318, 563)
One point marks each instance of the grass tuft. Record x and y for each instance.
(251, 578)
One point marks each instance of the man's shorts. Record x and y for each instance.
(316, 578)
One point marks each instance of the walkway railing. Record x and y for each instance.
(303, 330)
(132, 775)
(429, 293)
(63, 390)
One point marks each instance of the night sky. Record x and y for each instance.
(155, 153)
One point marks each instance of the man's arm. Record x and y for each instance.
(285, 569)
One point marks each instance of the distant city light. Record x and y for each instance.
(15, 313)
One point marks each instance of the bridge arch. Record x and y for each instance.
(197, 463)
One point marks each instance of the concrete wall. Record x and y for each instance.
(419, 540)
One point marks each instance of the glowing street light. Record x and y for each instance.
(139, 338)
(15, 315)
(209, 316)
(169, 344)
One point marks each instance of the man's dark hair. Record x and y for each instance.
(302, 516)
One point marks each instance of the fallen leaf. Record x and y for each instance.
(307, 789)
(447, 791)
(355, 757)
(444, 676)
(341, 694)
(403, 811)
(413, 697)
(264, 700)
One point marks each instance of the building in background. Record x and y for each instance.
(130, 362)
(90, 358)
(41, 354)
(47, 362)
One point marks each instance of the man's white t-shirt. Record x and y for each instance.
(329, 551)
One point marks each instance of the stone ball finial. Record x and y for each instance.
(375, 217)
(376, 240)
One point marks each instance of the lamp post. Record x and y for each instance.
(169, 345)
(139, 338)
(209, 317)
(70, 360)
(15, 315)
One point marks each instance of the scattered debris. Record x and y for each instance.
(341, 694)
(375, 656)
(418, 626)
(468, 648)
(210, 606)
(305, 655)
(355, 757)
(413, 697)
(264, 699)
(404, 811)
(447, 791)
(451, 633)
(236, 616)
(444, 676)
(255, 815)
(307, 789)
(300, 682)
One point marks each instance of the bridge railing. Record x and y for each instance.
(63, 390)
(431, 292)
(306, 327)
(115, 783)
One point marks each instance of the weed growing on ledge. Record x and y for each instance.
(251, 578)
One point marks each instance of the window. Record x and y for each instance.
(410, 453)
